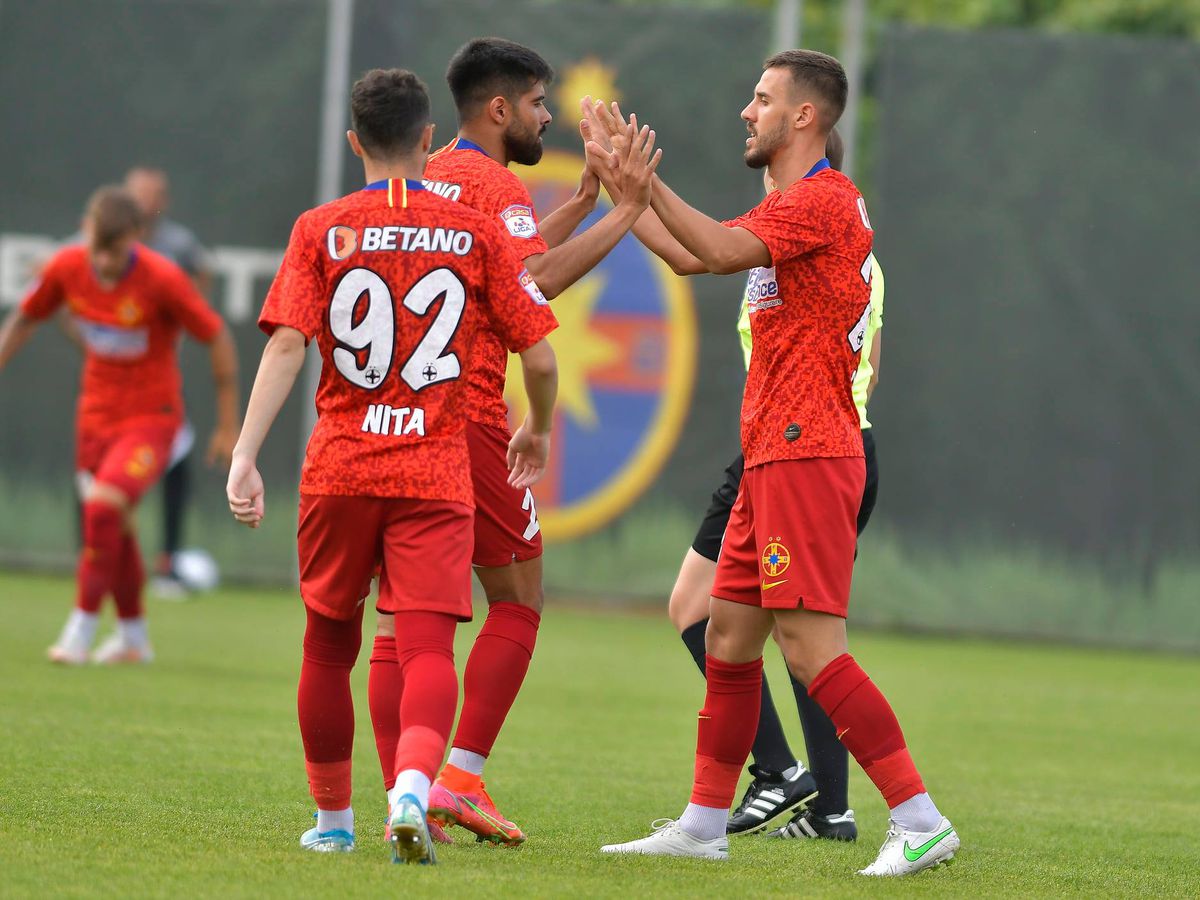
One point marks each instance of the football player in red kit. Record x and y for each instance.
(788, 551)
(394, 283)
(129, 305)
(499, 90)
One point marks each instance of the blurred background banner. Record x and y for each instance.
(1032, 196)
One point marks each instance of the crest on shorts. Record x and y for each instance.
(626, 347)
(141, 462)
(775, 558)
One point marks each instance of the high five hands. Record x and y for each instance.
(619, 152)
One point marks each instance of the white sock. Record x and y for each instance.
(133, 631)
(80, 629)
(467, 761)
(410, 781)
(335, 819)
(917, 814)
(792, 773)
(704, 822)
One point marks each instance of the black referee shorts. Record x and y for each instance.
(712, 527)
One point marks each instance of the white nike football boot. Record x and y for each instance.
(671, 840)
(906, 852)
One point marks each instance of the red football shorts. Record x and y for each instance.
(506, 524)
(422, 549)
(131, 459)
(790, 538)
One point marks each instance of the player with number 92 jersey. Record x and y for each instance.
(394, 283)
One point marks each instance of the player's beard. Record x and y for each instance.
(523, 145)
(766, 144)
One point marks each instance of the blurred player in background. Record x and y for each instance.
(499, 91)
(150, 188)
(129, 305)
(395, 284)
(788, 551)
(780, 782)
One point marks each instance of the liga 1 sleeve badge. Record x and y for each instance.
(519, 221)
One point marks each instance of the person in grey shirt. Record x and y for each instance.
(151, 191)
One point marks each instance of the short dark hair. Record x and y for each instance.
(389, 108)
(819, 73)
(114, 215)
(493, 67)
(835, 149)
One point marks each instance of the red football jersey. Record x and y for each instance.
(130, 333)
(395, 283)
(462, 171)
(808, 315)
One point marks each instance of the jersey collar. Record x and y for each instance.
(382, 185)
(822, 163)
(397, 189)
(461, 143)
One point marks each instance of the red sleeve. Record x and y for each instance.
(519, 313)
(517, 217)
(188, 305)
(794, 222)
(296, 293)
(48, 293)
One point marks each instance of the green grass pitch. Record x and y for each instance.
(1067, 771)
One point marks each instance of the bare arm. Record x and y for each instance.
(281, 363)
(559, 225)
(876, 355)
(722, 250)
(560, 267)
(599, 128)
(223, 356)
(14, 332)
(529, 448)
(648, 229)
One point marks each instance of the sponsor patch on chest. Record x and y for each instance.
(113, 341)
(519, 221)
(762, 289)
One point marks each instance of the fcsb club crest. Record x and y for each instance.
(626, 347)
(775, 558)
(141, 462)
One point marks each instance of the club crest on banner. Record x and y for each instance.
(626, 347)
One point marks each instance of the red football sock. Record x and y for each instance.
(495, 672)
(425, 650)
(326, 707)
(728, 722)
(867, 726)
(100, 558)
(384, 688)
(130, 578)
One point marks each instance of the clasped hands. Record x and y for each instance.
(619, 153)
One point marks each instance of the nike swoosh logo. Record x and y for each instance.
(841, 734)
(766, 586)
(913, 854)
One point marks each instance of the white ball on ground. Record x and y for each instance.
(196, 569)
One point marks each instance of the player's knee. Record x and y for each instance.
(385, 625)
(332, 642)
(686, 607)
(107, 495)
